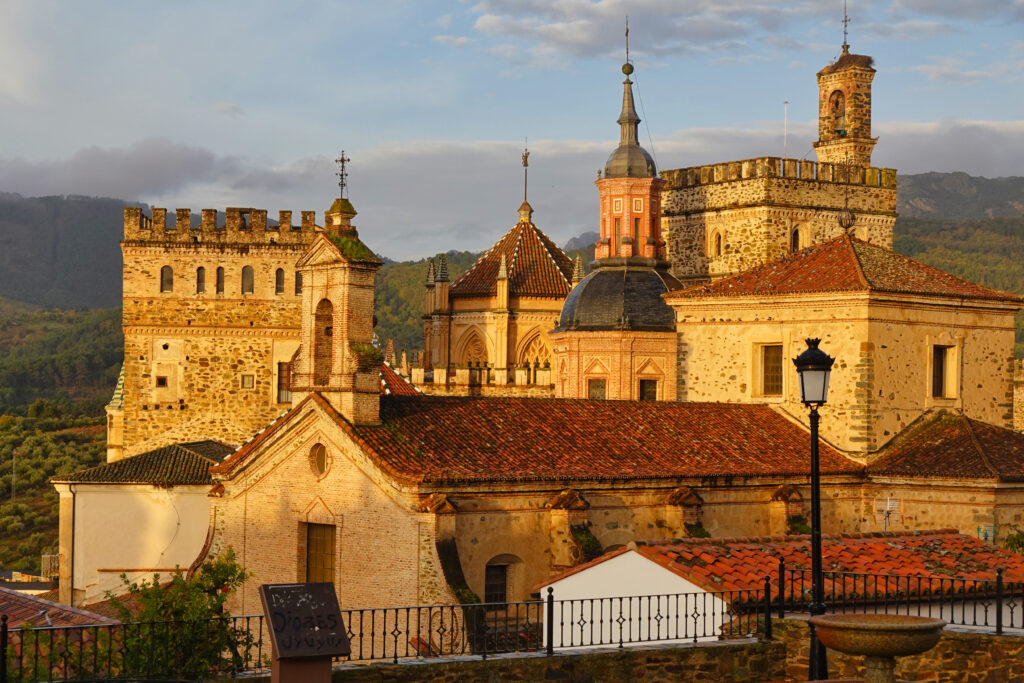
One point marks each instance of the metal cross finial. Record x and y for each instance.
(846, 23)
(342, 173)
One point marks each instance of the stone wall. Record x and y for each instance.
(203, 364)
(1018, 395)
(752, 208)
(737, 662)
(882, 345)
(960, 657)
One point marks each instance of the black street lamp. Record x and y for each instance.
(814, 367)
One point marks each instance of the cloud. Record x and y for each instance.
(21, 68)
(453, 41)
(951, 70)
(443, 21)
(907, 30)
(228, 109)
(960, 10)
(418, 198)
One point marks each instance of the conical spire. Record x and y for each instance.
(430, 273)
(629, 160)
(442, 268)
(577, 273)
(628, 120)
(502, 269)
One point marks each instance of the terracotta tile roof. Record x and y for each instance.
(393, 383)
(535, 266)
(463, 439)
(176, 465)
(30, 610)
(433, 438)
(721, 564)
(954, 446)
(844, 264)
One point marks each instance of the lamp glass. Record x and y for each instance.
(814, 385)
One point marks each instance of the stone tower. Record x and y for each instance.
(844, 110)
(211, 319)
(337, 358)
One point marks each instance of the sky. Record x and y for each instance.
(209, 104)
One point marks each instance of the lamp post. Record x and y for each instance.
(814, 367)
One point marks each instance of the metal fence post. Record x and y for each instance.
(549, 627)
(767, 607)
(782, 588)
(3, 648)
(999, 601)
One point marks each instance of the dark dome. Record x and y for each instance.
(630, 161)
(621, 294)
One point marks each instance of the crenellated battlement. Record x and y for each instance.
(239, 225)
(776, 167)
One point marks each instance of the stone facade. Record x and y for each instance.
(202, 351)
(883, 346)
(725, 218)
(621, 359)
(961, 656)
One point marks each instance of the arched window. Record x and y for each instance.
(322, 343)
(166, 279)
(501, 576)
(279, 281)
(200, 280)
(220, 280)
(716, 248)
(837, 109)
(298, 283)
(247, 280)
(794, 240)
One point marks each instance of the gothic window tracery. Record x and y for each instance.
(535, 351)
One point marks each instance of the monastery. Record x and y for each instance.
(556, 413)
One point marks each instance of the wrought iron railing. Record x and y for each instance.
(992, 604)
(237, 644)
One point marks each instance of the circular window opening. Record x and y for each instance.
(318, 459)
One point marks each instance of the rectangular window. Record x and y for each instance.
(617, 205)
(320, 553)
(638, 206)
(248, 381)
(648, 390)
(596, 388)
(771, 370)
(284, 382)
(496, 583)
(941, 356)
(161, 381)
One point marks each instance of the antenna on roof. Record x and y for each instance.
(846, 23)
(342, 173)
(526, 164)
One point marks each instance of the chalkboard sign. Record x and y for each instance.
(304, 620)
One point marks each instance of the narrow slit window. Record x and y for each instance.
(220, 280)
(247, 280)
(166, 279)
(200, 280)
(279, 281)
(941, 366)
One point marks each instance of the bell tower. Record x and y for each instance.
(844, 109)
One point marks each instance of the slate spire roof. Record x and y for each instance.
(534, 265)
(845, 264)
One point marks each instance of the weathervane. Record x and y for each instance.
(846, 23)
(627, 38)
(342, 173)
(526, 164)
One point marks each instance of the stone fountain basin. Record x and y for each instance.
(878, 635)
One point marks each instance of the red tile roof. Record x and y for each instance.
(953, 446)
(535, 267)
(393, 383)
(465, 439)
(845, 264)
(723, 564)
(29, 610)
